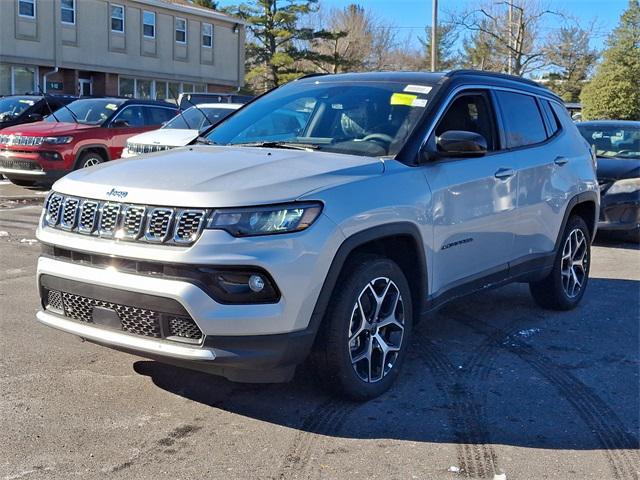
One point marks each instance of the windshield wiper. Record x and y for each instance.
(205, 141)
(288, 145)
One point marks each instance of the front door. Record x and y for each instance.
(473, 199)
(85, 87)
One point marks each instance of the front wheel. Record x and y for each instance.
(564, 287)
(365, 335)
(89, 159)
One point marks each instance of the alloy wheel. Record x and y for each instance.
(90, 162)
(575, 259)
(376, 329)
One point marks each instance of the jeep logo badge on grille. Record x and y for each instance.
(117, 193)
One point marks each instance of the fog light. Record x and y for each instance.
(256, 283)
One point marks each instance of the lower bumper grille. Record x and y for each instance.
(15, 164)
(135, 320)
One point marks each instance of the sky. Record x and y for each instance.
(410, 17)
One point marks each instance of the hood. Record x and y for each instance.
(618, 168)
(172, 137)
(38, 129)
(212, 176)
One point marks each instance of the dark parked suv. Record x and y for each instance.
(19, 109)
(390, 195)
(86, 132)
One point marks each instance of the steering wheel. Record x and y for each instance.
(381, 138)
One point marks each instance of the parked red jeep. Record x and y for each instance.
(84, 133)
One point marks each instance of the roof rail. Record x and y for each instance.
(463, 72)
(311, 75)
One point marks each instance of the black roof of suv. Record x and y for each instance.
(20, 109)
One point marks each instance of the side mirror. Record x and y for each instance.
(35, 117)
(119, 123)
(459, 143)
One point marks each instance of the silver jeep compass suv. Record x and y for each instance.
(321, 221)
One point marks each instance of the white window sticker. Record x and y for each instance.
(111, 106)
(419, 102)
(417, 89)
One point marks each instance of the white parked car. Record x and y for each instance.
(180, 130)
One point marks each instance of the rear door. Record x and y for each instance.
(474, 199)
(533, 138)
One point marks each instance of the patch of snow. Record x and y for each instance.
(29, 241)
(454, 469)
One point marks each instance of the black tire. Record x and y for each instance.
(23, 183)
(555, 292)
(88, 159)
(332, 356)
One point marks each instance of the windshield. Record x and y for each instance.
(194, 119)
(11, 107)
(621, 141)
(88, 111)
(358, 118)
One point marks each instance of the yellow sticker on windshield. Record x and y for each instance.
(111, 106)
(28, 102)
(402, 99)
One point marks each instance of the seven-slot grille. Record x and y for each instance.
(136, 320)
(178, 226)
(140, 148)
(20, 140)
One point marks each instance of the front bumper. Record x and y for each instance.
(253, 342)
(620, 212)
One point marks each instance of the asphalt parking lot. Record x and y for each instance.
(494, 388)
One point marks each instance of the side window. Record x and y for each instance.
(552, 120)
(157, 115)
(523, 122)
(471, 113)
(133, 115)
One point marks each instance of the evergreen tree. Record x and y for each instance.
(276, 42)
(614, 91)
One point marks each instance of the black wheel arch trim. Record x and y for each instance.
(90, 146)
(356, 240)
(589, 196)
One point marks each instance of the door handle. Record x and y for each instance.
(561, 161)
(504, 173)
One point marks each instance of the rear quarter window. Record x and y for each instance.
(522, 119)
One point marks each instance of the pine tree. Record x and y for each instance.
(614, 92)
(276, 43)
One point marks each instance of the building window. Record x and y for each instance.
(174, 90)
(117, 18)
(68, 11)
(149, 24)
(143, 89)
(17, 79)
(27, 8)
(181, 30)
(161, 91)
(126, 87)
(207, 35)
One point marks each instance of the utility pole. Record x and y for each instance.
(510, 68)
(434, 35)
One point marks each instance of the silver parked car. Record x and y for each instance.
(323, 220)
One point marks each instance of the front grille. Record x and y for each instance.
(135, 320)
(109, 219)
(23, 140)
(140, 148)
(53, 209)
(159, 224)
(88, 216)
(188, 227)
(69, 213)
(17, 164)
(133, 222)
(125, 221)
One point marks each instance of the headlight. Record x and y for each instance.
(245, 222)
(627, 185)
(57, 140)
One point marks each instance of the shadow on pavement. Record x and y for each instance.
(490, 369)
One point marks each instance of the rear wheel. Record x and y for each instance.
(365, 335)
(564, 287)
